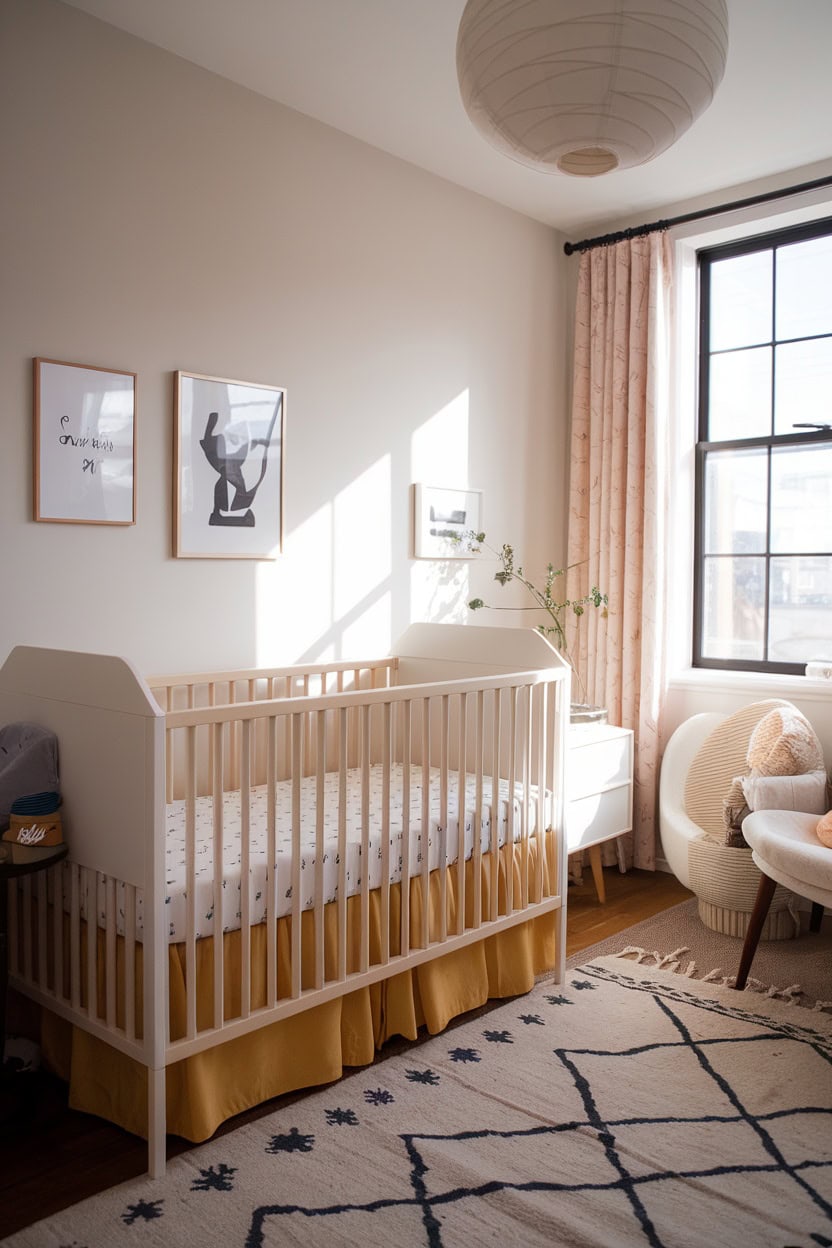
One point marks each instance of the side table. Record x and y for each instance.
(17, 860)
(599, 791)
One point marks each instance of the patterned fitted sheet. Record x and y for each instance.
(176, 899)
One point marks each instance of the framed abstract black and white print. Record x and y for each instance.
(228, 468)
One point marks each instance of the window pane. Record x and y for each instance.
(740, 395)
(804, 288)
(800, 609)
(803, 384)
(801, 500)
(734, 609)
(736, 493)
(741, 301)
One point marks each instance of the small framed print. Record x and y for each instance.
(442, 516)
(228, 468)
(84, 444)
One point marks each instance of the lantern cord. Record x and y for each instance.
(637, 231)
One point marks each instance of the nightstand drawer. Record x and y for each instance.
(598, 761)
(598, 817)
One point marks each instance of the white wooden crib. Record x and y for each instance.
(323, 786)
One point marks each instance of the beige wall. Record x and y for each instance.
(156, 217)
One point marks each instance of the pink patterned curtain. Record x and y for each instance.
(618, 497)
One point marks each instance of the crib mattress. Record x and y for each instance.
(176, 895)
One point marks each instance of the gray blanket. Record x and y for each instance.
(28, 764)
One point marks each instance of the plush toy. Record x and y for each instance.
(824, 829)
(783, 743)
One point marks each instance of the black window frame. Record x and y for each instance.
(769, 241)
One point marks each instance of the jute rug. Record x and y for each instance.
(624, 1107)
(798, 971)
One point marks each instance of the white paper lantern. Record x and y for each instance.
(587, 86)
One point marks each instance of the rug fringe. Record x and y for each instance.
(673, 962)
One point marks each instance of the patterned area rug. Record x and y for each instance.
(797, 971)
(624, 1107)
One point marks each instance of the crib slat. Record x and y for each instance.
(245, 869)
(75, 936)
(42, 938)
(91, 891)
(443, 816)
(405, 886)
(476, 852)
(110, 950)
(461, 811)
(386, 746)
(320, 814)
(495, 804)
(26, 883)
(217, 784)
(512, 782)
(364, 954)
(212, 701)
(554, 692)
(190, 882)
(297, 763)
(59, 875)
(425, 822)
(130, 961)
(271, 864)
(343, 726)
(527, 792)
(540, 694)
(13, 926)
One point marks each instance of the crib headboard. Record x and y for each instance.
(428, 652)
(110, 749)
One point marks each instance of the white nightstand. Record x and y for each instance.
(599, 791)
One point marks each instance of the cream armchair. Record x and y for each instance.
(700, 760)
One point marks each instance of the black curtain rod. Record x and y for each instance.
(637, 231)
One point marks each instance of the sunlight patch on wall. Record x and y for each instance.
(370, 633)
(439, 447)
(361, 537)
(439, 456)
(294, 594)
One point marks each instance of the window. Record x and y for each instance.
(763, 543)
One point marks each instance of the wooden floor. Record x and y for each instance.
(52, 1157)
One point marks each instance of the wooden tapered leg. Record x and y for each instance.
(755, 925)
(597, 872)
(816, 917)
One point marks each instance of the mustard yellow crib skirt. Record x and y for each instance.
(314, 1047)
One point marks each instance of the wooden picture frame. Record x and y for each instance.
(84, 444)
(441, 515)
(228, 468)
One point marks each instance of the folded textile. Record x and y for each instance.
(807, 793)
(28, 764)
(36, 804)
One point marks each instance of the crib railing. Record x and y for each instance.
(206, 690)
(470, 736)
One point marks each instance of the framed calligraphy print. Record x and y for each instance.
(84, 444)
(228, 471)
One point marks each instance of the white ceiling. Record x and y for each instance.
(384, 72)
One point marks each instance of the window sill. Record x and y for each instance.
(772, 685)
